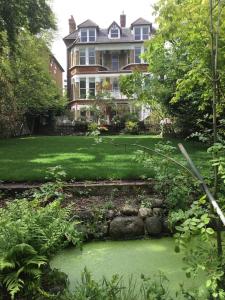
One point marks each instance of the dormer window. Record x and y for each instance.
(137, 33)
(114, 31)
(141, 33)
(87, 35)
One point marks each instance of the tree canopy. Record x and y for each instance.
(32, 15)
(179, 57)
(26, 87)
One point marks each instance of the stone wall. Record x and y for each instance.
(129, 222)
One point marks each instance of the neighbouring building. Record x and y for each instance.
(96, 58)
(56, 71)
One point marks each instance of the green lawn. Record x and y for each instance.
(26, 159)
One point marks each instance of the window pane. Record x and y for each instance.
(83, 35)
(115, 86)
(91, 35)
(83, 88)
(137, 33)
(137, 53)
(115, 62)
(82, 60)
(83, 83)
(91, 54)
(145, 33)
(91, 87)
(83, 113)
(82, 57)
(114, 33)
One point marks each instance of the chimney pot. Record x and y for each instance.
(123, 20)
(72, 24)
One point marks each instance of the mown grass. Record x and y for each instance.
(27, 158)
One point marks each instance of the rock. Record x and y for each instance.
(128, 210)
(153, 225)
(157, 211)
(165, 226)
(126, 227)
(85, 215)
(110, 214)
(144, 212)
(156, 202)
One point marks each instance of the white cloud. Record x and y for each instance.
(100, 11)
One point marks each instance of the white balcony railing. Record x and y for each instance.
(117, 94)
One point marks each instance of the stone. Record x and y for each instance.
(144, 212)
(165, 225)
(126, 227)
(85, 215)
(157, 211)
(156, 202)
(129, 210)
(153, 225)
(110, 214)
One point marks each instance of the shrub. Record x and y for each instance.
(93, 126)
(131, 127)
(29, 235)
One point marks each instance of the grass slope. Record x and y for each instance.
(27, 159)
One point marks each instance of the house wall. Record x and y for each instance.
(56, 73)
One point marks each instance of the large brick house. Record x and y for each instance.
(96, 58)
(56, 72)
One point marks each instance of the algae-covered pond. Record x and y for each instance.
(135, 257)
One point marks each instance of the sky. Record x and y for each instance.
(102, 12)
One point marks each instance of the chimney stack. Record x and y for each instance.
(72, 24)
(123, 20)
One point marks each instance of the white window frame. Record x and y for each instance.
(88, 30)
(113, 28)
(141, 32)
(142, 51)
(91, 80)
(84, 80)
(87, 81)
(87, 57)
(82, 50)
(135, 55)
(93, 56)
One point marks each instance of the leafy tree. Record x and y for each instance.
(28, 91)
(179, 57)
(32, 15)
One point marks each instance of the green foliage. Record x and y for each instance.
(26, 89)
(131, 127)
(179, 62)
(218, 149)
(93, 126)
(29, 234)
(196, 239)
(95, 227)
(21, 267)
(31, 15)
(115, 289)
(173, 180)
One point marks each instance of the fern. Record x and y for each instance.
(20, 266)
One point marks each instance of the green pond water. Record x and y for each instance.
(135, 257)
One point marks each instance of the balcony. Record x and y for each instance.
(111, 94)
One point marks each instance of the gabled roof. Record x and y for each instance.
(140, 21)
(114, 23)
(87, 23)
(102, 37)
(56, 61)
